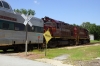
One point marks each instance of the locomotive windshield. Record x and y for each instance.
(48, 23)
(1, 4)
(4, 4)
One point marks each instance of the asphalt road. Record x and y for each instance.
(17, 61)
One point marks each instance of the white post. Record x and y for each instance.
(26, 46)
(26, 42)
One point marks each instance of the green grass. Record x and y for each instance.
(1, 51)
(94, 41)
(51, 53)
(79, 53)
(82, 53)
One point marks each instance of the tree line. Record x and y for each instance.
(24, 11)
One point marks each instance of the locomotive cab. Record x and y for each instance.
(49, 24)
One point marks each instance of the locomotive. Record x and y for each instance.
(13, 30)
(64, 33)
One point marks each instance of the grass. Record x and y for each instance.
(51, 53)
(80, 53)
(94, 41)
(83, 53)
(1, 51)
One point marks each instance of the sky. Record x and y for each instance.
(68, 11)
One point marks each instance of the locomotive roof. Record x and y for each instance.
(57, 21)
(36, 21)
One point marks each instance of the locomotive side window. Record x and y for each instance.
(11, 26)
(58, 25)
(0, 25)
(48, 23)
(1, 4)
(38, 29)
(5, 5)
(32, 29)
(72, 33)
(5, 26)
(19, 27)
(53, 24)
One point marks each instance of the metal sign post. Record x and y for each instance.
(47, 36)
(38, 42)
(26, 41)
(46, 50)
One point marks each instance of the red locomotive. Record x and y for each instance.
(64, 33)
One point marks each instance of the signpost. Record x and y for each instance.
(26, 22)
(47, 36)
(38, 40)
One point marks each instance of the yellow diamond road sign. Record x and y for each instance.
(47, 36)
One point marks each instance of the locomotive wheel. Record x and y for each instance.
(19, 48)
(71, 42)
(52, 44)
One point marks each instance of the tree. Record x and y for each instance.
(24, 11)
(93, 29)
(97, 32)
(75, 25)
(86, 25)
(31, 12)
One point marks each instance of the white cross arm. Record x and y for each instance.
(27, 19)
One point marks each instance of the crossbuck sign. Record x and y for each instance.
(27, 19)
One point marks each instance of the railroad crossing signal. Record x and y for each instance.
(27, 19)
(47, 36)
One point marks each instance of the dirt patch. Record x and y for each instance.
(71, 47)
(94, 62)
(62, 57)
(31, 55)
